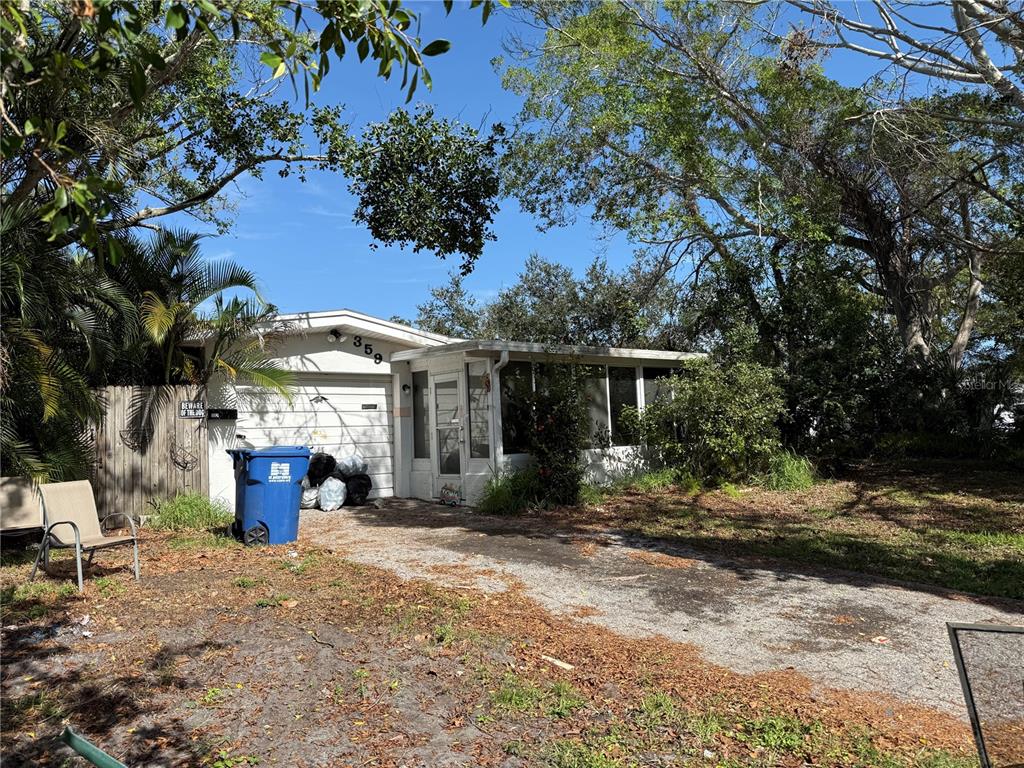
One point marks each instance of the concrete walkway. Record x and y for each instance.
(839, 629)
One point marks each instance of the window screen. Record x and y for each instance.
(420, 416)
(479, 429)
(596, 389)
(516, 387)
(655, 384)
(621, 394)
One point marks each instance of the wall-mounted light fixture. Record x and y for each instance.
(335, 336)
(406, 389)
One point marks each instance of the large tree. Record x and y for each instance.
(698, 132)
(549, 304)
(117, 114)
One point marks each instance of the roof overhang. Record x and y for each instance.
(532, 351)
(353, 323)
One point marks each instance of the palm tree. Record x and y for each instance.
(238, 334)
(171, 281)
(191, 331)
(58, 314)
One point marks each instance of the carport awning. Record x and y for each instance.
(530, 350)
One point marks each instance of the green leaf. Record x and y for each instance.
(272, 60)
(10, 143)
(412, 86)
(436, 48)
(137, 83)
(363, 48)
(281, 69)
(176, 16)
(114, 252)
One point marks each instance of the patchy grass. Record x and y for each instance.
(36, 599)
(202, 540)
(563, 700)
(516, 694)
(959, 526)
(407, 673)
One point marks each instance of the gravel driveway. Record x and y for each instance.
(840, 629)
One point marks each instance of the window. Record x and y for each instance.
(655, 386)
(595, 386)
(516, 388)
(420, 416)
(621, 394)
(479, 428)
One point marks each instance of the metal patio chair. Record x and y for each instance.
(71, 520)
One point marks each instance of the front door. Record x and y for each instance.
(446, 415)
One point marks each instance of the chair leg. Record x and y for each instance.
(78, 562)
(35, 565)
(135, 546)
(91, 553)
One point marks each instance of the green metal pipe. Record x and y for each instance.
(92, 753)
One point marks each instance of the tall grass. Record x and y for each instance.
(511, 492)
(788, 472)
(190, 512)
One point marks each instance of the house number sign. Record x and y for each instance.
(357, 341)
(191, 409)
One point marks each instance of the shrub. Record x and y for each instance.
(560, 432)
(190, 512)
(788, 472)
(510, 492)
(718, 423)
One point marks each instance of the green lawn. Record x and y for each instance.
(939, 524)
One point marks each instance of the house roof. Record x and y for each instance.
(352, 322)
(530, 350)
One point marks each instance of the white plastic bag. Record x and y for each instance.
(310, 495)
(332, 494)
(352, 465)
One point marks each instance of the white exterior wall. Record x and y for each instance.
(346, 377)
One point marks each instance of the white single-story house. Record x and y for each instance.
(432, 416)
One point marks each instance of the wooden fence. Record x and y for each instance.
(145, 451)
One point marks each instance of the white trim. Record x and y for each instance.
(351, 321)
(602, 354)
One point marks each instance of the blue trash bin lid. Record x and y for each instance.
(281, 452)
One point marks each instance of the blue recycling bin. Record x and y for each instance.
(268, 490)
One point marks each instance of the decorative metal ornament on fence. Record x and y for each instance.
(990, 661)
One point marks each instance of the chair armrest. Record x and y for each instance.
(131, 523)
(74, 527)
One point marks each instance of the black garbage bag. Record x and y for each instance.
(357, 489)
(321, 465)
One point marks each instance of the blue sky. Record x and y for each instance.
(301, 241)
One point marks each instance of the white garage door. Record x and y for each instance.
(336, 414)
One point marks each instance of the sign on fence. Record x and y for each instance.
(191, 409)
(149, 448)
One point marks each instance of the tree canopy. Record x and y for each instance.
(700, 134)
(118, 114)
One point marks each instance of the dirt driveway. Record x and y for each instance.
(841, 630)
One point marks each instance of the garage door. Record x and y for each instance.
(339, 415)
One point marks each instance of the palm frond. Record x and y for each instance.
(157, 317)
